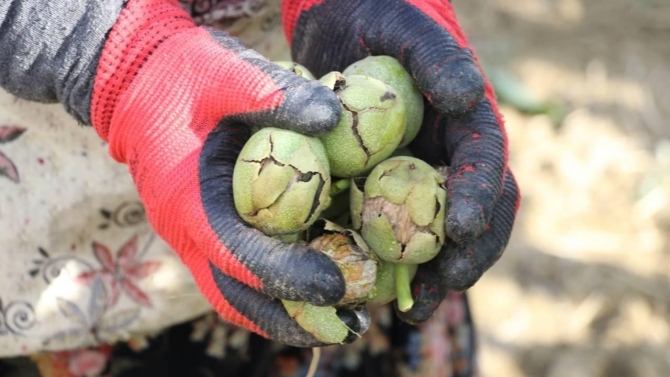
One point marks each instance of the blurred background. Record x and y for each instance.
(583, 288)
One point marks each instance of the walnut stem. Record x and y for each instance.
(402, 287)
(340, 185)
(316, 355)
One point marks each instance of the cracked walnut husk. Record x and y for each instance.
(370, 128)
(390, 71)
(351, 254)
(402, 211)
(281, 181)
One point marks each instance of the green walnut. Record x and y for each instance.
(400, 211)
(390, 71)
(320, 321)
(296, 68)
(371, 125)
(281, 181)
(402, 214)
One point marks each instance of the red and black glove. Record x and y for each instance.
(462, 127)
(173, 101)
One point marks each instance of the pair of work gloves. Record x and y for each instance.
(173, 101)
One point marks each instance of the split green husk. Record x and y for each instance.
(320, 321)
(281, 181)
(400, 213)
(390, 71)
(370, 128)
(359, 268)
(351, 255)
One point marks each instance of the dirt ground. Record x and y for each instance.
(584, 286)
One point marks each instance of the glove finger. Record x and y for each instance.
(300, 105)
(429, 144)
(461, 265)
(287, 271)
(478, 158)
(427, 292)
(427, 40)
(421, 35)
(475, 148)
(243, 306)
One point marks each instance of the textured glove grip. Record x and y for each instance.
(440, 11)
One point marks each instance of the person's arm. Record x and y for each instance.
(49, 50)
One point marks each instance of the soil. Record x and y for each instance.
(583, 288)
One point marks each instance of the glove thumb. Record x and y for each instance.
(304, 106)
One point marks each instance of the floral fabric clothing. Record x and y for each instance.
(80, 263)
(87, 288)
(206, 346)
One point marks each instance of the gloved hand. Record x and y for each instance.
(172, 100)
(462, 127)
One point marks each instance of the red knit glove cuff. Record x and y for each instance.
(441, 11)
(141, 27)
(290, 11)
